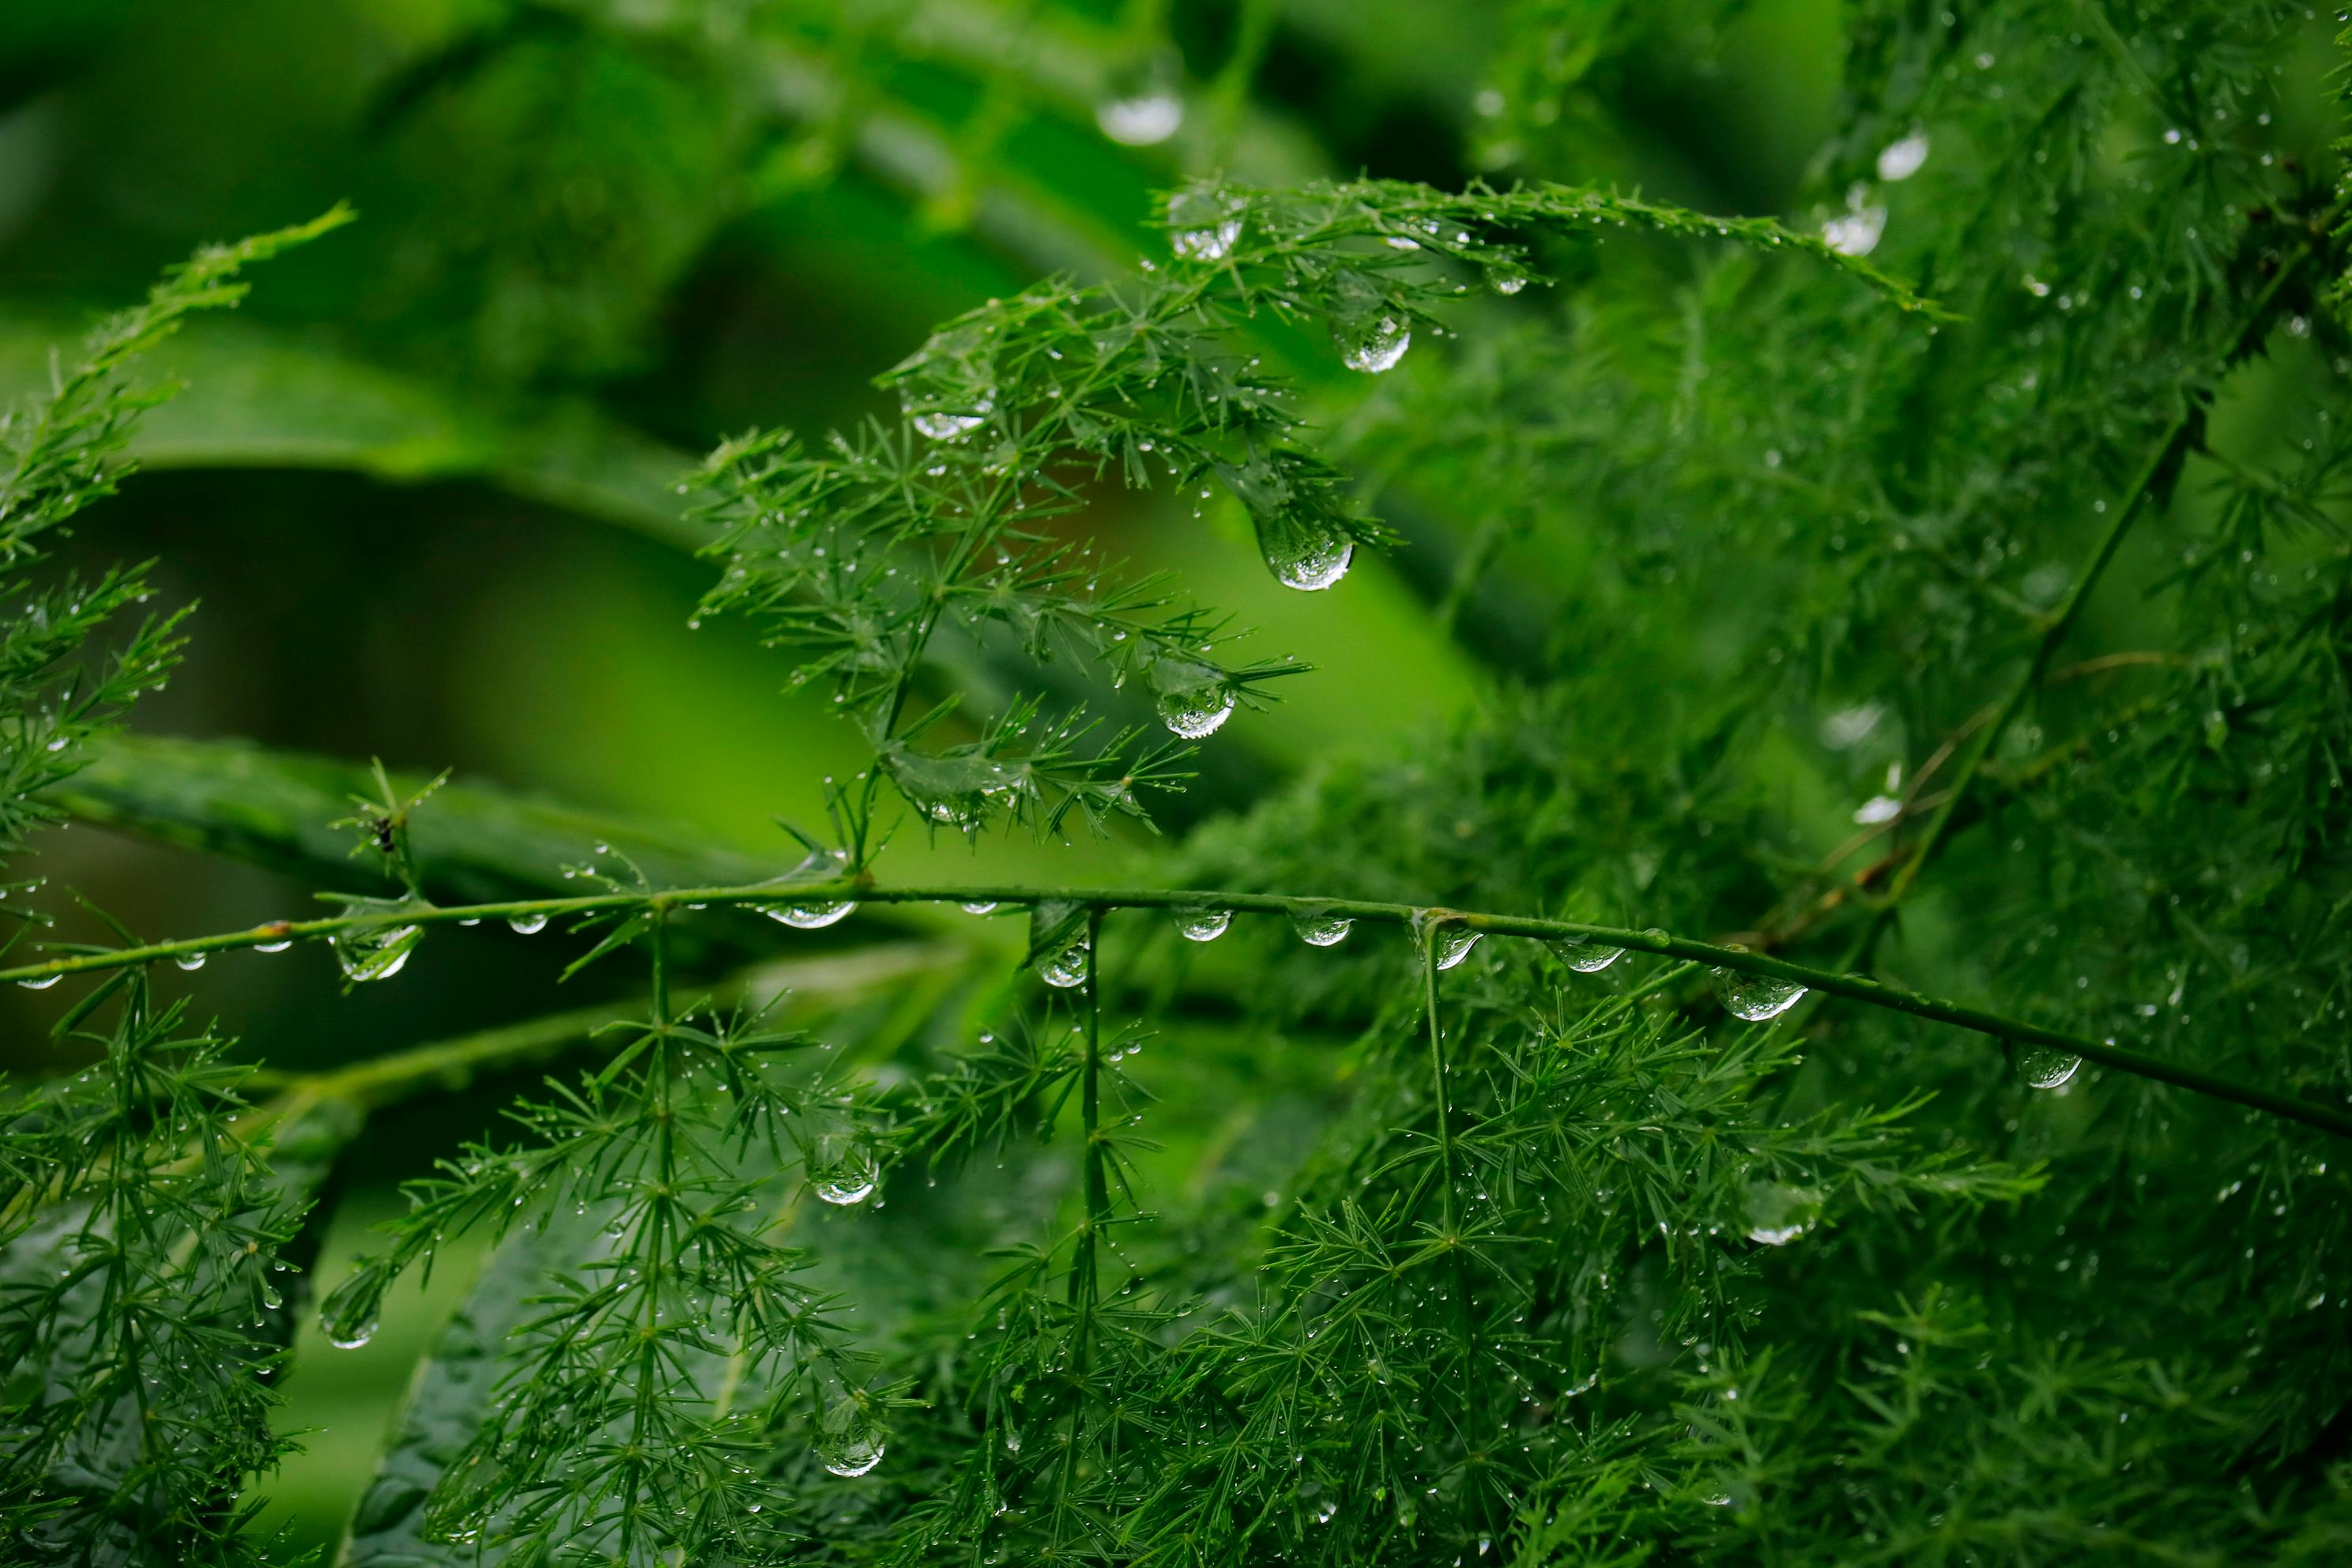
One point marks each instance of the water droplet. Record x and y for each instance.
(1777, 1215)
(1318, 927)
(1204, 224)
(1193, 698)
(1505, 276)
(189, 961)
(374, 953)
(279, 946)
(942, 426)
(849, 1441)
(813, 914)
(849, 1179)
(1584, 957)
(1060, 941)
(1140, 122)
(1900, 160)
(1141, 105)
(1306, 560)
(1858, 232)
(1204, 925)
(2045, 1068)
(1755, 997)
(349, 1311)
(1374, 344)
(527, 925)
(979, 907)
(40, 981)
(1448, 941)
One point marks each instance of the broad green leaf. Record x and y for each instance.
(272, 400)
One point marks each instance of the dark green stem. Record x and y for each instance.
(1853, 987)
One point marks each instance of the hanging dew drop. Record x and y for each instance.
(1193, 698)
(349, 1313)
(1505, 277)
(849, 1180)
(40, 981)
(1068, 966)
(1447, 942)
(1202, 225)
(1141, 105)
(2044, 1067)
(808, 917)
(1754, 997)
(1309, 562)
(1061, 941)
(1140, 122)
(1584, 957)
(849, 1441)
(526, 925)
(1777, 1215)
(374, 953)
(1204, 925)
(979, 907)
(941, 426)
(813, 914)
(1321, 927)
(1375, 345)
(1900, 160)
(189, 961)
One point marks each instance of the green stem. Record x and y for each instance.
(1661, 944)
(2169, 451)
(1437, 1076)
(1084, 1277)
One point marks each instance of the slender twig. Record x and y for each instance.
(1661, 944)
(2169, 449)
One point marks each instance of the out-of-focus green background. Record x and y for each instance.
(421, 483)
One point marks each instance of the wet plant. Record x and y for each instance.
(1835, 1056)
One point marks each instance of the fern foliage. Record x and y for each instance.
(1835, 1055)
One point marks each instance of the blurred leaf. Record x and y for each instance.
(272, 400)
(473, 845)
(451, 1391)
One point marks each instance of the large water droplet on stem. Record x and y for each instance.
(1204, 925)
(1202, 225)
(374, 953)
(1755, 997)
(1307, 559)
(1142, 108)
(1447, 942)
(1373, 344)
(1318, 927)
(813, 914)
(1584, 957)
(1060, 943)
(850, 1441)
(349, 1311)
(2044, 1066)
(849, 1180)
(1777, 1215)
(1193, 698)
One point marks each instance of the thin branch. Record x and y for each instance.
(1655, 940)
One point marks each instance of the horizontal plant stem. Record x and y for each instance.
(376, 1082)
(1665, 944)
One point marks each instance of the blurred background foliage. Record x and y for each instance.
(423, 483)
